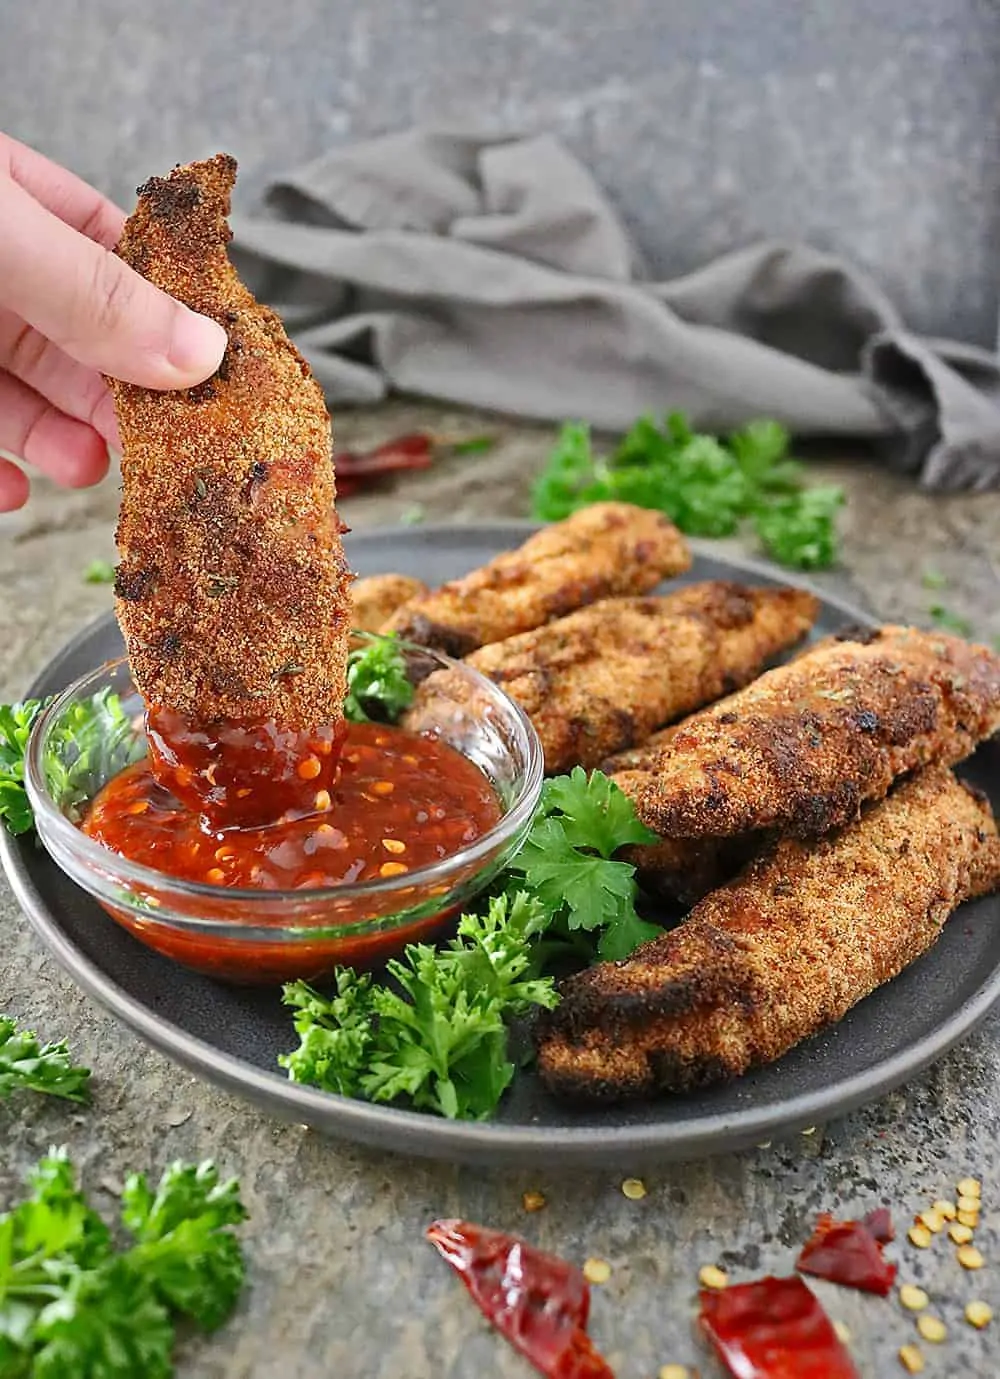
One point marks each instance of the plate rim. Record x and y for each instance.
(412, 1132)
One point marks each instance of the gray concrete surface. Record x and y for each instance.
(866, 126)
(341, 1282)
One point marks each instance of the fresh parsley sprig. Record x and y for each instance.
(71, 1304)
(568, 863)
(706, 486)
(378, 685)
(26, 1065)
(436, 1036)
(93, 741)
(16, 721)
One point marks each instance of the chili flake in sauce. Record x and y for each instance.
(399, 801)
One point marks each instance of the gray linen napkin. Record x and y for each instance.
(495, 273)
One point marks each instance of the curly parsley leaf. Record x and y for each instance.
(70, 1304)
(93, 741)
(183, 1247)
(567, 862)
(16, 721)
(800, 529)
(99, 572)
(435, 1036)
(707, 486)
(27, 1065)
(377, 683)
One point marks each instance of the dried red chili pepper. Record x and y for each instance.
(538, 1301)
(879, 1222)
(412, 451)
(850, 1252)
(774, 1328)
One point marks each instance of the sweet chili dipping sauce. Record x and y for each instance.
(397, 801)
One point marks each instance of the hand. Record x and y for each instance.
(70, 311)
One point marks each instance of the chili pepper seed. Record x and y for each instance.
(945, 1209)
(674, 1372)
(533, 1201)
(967, 1203)
(933, 1220)
(634, 1189)
(932, 1329)
(970, 1187)
(978, 1314)
(969, 1257)
(597, 1271)
(960, 1233)
(911, 1359)
(968, 1218)
(393, 845)
(919, 1236)
(914, 1299)
(843, 1332)
(711, 1276)
(393, 869)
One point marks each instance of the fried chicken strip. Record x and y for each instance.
(603, 550)
(803, 747)
(685, 869)
(375, 599)
(801, 936)
(602, 678)
(232, 591)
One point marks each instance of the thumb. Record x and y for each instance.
(93, 306)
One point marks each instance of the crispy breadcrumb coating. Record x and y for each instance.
(803, 747)
(685, 869)
(801, 936)
(603, 678)
(232, 591)
(375, 599)
(602, 550)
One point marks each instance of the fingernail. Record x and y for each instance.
(196, 345)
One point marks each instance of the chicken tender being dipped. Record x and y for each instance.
(603, 550)
(233, 591)
(603, 678)
(802, 748)
(802, 935)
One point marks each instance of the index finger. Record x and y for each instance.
(74, 201)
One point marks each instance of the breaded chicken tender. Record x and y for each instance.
(803, 747)
(602, 550)
(601, 679)
(232, 591)
(375, 599)
(685, 869)
(801, 936)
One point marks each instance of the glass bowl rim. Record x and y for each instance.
(142, 878)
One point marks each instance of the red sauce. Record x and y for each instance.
(850, 1252)
(238, 776)
(538, 1301)
(399, 802)
(773, 1329)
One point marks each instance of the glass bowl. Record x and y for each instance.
(256, 936)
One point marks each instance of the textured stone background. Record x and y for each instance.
(868, 126)
(341, 1282)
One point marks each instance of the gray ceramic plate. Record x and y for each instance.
(233, 1036)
